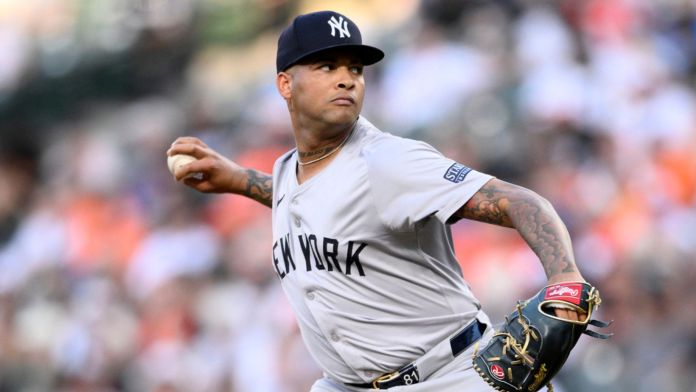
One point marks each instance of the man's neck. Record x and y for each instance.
(312, 141)
(318, 147)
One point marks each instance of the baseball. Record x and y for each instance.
(176, 161)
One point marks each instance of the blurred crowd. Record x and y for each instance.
(113, 277)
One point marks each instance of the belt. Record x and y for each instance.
(430, 361)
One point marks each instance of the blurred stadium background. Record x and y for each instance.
(115, 278)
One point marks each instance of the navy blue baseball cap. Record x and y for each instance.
(312, 33)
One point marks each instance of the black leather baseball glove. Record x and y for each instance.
(533, 344)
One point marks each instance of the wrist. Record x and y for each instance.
(562, 277)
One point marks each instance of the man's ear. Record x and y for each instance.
(284, 84)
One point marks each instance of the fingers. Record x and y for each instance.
(189, 145)
(207, 175)
(570, 315)
(582, 317)
(202, 164)
(194, 172)
(211, 172)
(566, 314)
(198, 182)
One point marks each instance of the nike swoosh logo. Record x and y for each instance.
(279, 200)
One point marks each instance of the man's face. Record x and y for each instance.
(328, 88)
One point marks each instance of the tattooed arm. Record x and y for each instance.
(259, 186)
(509, 205)
(535, 219)
(213, 173)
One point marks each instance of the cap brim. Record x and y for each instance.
(368, 54)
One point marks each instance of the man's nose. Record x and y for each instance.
(346, 78)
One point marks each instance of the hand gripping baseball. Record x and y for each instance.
(533, 344)
(202, 168)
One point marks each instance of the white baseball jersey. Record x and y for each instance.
(365, 255)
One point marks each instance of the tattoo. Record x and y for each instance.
(337, 141)
(259, 187)
(508, 205)
(487, 205)
(309, 154)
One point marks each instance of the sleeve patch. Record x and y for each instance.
(456, 173)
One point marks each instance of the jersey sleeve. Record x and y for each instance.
(412, 181)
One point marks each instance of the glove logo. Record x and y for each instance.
(569, 292)
(497, 372)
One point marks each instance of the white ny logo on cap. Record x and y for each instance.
(341, 25)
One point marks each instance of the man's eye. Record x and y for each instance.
(326, 67)
(356, 70)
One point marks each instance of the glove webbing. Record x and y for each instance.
(520, 350)
(511, 342)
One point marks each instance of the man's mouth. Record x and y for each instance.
(343, 100)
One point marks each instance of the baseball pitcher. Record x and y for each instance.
(362, 244)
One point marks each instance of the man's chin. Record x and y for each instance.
(342, 117)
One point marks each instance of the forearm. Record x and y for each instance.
(534, 219)
(543, 230)
(258, 186)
